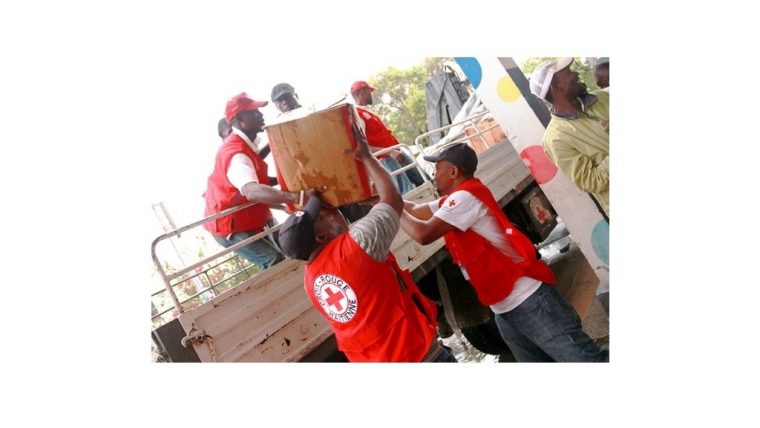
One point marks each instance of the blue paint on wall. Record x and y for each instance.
(471, 68)
(600, 241)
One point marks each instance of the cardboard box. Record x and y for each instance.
(493, 136)
(309, 152)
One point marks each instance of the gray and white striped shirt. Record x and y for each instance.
(374, 232)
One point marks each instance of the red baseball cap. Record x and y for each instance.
(241, 102)
(360, 84)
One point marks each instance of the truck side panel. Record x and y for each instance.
(269, 317)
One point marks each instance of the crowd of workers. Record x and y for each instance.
(373, 306)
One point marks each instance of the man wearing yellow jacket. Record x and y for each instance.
(577, 137)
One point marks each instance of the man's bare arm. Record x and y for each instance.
(386, 189)
(264, 194)
(421, 211)
(424, 231)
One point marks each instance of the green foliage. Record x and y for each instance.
(585, 71)
(399, 98)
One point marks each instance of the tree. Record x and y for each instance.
(585, 71)
(399, 98)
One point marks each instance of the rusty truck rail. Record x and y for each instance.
(167, 278)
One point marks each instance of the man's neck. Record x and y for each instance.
(567, 105)
(317, 251)
(251, 141)
(458, 183)
(573, 109)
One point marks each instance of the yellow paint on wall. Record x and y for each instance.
(507, 90)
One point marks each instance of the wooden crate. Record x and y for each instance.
(309, 152)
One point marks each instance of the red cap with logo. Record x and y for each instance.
(241, 102)
(360, 84)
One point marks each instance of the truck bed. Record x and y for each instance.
(269, 318)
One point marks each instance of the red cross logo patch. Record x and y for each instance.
(336, 297)
(452, 202)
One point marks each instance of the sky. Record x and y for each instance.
(100, 100)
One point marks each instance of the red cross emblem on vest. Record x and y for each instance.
(333, 297)
(452, 202)
(336, 297)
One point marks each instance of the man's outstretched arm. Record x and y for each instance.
(386, 189)
(419, 211)
(424, 231)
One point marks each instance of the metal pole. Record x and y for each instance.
(176, 232)
(168, 227)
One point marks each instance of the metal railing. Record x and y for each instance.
(168, 278)
(414, 163)
(212, 285)
(470, 120)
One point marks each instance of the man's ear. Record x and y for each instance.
(321, 238)
(321, 230)
(455, 172)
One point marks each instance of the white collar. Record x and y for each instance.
(254, 145)
(367, 107)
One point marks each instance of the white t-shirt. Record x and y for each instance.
(241, 170)
(464, 211)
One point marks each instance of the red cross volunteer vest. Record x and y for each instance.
(375, 309)
(491, 273)
(221, 194)
(378, 136)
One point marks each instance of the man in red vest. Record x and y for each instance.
(374, 308)
(537, 323)
(240, 176)
(380, 137)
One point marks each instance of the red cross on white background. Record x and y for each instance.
(334, 299)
